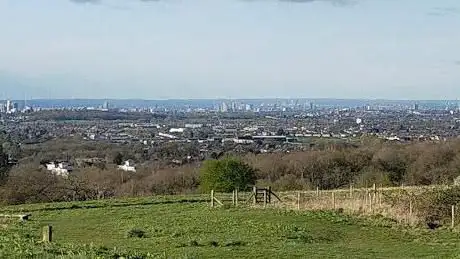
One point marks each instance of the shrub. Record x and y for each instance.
(3, 163)
(213, 243)
(226, 175)
(136, 233)
(194, 243)
(234, 243)
(434, 207)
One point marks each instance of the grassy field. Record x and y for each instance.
(185, 227)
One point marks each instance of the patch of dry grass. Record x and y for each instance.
(396, 203)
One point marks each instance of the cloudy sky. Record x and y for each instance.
(157, 49)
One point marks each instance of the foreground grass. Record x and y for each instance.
(176, 228)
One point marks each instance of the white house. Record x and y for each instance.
(166, 135)
(60, 169)
(176, 130)
(393, 138)
(127, 166)
(243, 141)
(193, 126)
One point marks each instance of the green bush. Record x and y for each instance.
(435, 206)
(226, 175)
(3, 163)
(136, 233)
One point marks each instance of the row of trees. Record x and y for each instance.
(31, 184)
(3, 163)
(381, 163)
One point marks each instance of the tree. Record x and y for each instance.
(226, 175)
(118, 159)
(3, 163)
(280, 132)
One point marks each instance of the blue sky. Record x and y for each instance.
(394, 49)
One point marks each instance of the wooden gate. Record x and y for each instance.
(262, 195)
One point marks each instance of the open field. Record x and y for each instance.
(185, 227)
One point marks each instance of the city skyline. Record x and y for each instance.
(230, 49)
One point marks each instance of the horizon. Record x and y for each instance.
(236, 99)
(203, 49)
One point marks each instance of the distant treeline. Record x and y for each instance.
(386, 164)
(371, 161)
(69, 115)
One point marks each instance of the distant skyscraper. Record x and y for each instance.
(9, 106)
(106, 105)
(234, 106)
(416, 106)
(248, 107)
(224, 107)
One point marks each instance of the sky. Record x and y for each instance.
(168, 49)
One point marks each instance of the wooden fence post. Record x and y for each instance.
(47, 234)
(366, 197)
(374, 194)
(269, 188)
(317, 191)
(370, 203)
(233, 198)
(265, 198)
(212, 198)
(411, 210)
(254, 190)
(236, 197)
(453, 216)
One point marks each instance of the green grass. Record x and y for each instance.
(175, 228)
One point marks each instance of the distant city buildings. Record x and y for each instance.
(106, 105)
(9, 107)
(224, 107)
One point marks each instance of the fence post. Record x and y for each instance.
(453, 216)
(236, 197)
(366, 197)
(212, 198)
(411, 210)
(265, 198)
(373, 192)
(47, 234)
(254, 190)
(370, 203)
(269, 188)
(317, 191)
(333, 200)
(233, 198)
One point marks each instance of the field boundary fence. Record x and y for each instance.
(391, 202)
(396, 203)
